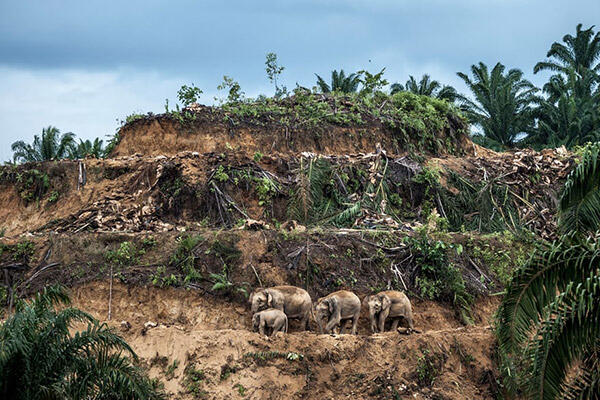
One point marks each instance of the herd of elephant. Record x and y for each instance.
(272, 307)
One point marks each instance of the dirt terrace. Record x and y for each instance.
(212, 337)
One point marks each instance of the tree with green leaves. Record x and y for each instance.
(41, 359)
(189, 95)
(502, 105)
(579, 53)
(569, 116)
(426, 87)
(340, 82)
(273, 71)
(88, 148)
(548, 325)
(51, 145)
(570, 113)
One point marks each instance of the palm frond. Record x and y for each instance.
(580, 200)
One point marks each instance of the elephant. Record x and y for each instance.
(338, 307)
(293, 301)
(388, 304)
(271, 318)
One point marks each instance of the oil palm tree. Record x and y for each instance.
(502, 104)
(570, 111)
(568, 116)
(579, 53)
(88, 148)
(50, 146)
(339, 82)
(426, 87)
(41, 359)
(549, 321)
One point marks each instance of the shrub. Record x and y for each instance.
(438, 278)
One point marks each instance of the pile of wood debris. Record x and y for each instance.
(534, 180)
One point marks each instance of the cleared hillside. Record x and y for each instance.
(196, 208)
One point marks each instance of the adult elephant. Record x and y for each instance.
(293, 301)
(389, 304)
(338, 307)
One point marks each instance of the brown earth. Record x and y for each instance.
(208, 332)
(136, 193)
(213, 336)
(210, 132)
(190, 182)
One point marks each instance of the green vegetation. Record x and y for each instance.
(426, 87)
(88, 148)
(501, 258)
(428, 368)
(127, 254)
(339, 82)
(226, 252)
(170, 370)
(53, 198)
(569, 115)
(184, 257)
(233, 88)
(162, 279)
(419, 121)
(41, 359)
(50, 146)
(188, 95)
(548, 325)
(241, 389)
(438, 278)
(273, 71)
(193, 381)
(261, 357)
(485, 206)
(21, 251)
(503, 104)
(31, 184)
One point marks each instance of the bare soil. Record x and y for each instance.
(214, 336)
(161, 185)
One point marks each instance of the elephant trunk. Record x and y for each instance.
(374, 320)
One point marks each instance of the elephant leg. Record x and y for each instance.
(278, 327)
(395, 322)
(355, 323)
(409, 320)
(304, 321)
(261, 328)
(374, 328)
(332, 324)
(382, 317)
(343, 324)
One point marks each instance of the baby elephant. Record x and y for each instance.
(390, 304)
(270, 319)
(338, 307)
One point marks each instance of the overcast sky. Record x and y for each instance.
(84, 65)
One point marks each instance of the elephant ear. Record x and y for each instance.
(366, 300)
(332, 304)
(385, 301)
(269, 299)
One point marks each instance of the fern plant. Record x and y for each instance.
(549, 321)
(41, 359)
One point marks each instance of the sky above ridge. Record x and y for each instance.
(82, 66)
